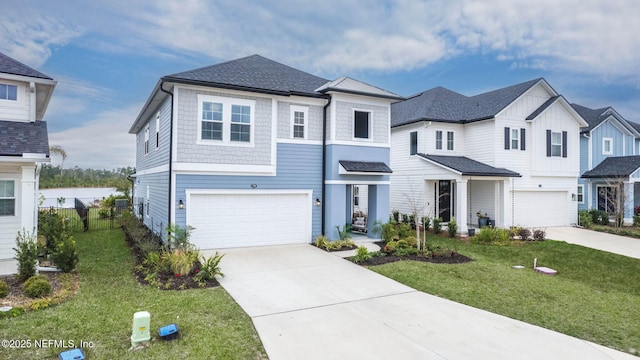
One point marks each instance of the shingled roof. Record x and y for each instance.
(596, 116)
(468, 167)
(615, 166)
(365, 166)
(440, 104)
(14, 67)
(17, 138)
(253, 73)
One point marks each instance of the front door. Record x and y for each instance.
(444, 200)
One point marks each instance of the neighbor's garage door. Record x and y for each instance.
(249, 219)
(541, 208)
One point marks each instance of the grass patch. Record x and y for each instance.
(595, 296)
(212, 325)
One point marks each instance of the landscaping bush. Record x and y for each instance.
(396, 216)
(362, 255)
(344, 233)
(405, 219)
(157, 262)
(452, 227)
(636, 220)
(210, 268)
(51, 226)
(182, 261)
(437, 225)
(585, 219)
(65, 255)
(404, 230)
(487, 235)
(599, 217)
(539, 235)
(37, 286)
(4, 289)
(27, 254)
(525, 234)
(389, 231)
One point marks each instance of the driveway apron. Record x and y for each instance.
(596, 240)
(309, 304)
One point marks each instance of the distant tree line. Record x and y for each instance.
(55, 177)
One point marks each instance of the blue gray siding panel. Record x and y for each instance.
(158, 185)
(605, 130)
(160, 155)
(336, 153)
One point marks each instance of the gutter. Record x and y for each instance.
(169, 202)
(324, 163)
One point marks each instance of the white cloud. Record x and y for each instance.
(101, 143)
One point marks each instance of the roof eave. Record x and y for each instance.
(362, 93)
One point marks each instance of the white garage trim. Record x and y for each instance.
(268, 222)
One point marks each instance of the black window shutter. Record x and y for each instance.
(507, 138)
(522, 139)
(548, 142)
(564, 144)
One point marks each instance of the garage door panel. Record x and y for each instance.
(541, 208)
(237, 220)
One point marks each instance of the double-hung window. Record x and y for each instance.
(7, 198)
(580, 195)
(438, 140)
(449, 140)
(240, 123)
(211, 121)
(556, 144)
(8, 92)
(361, 124)
(299, 120)
(515, 139)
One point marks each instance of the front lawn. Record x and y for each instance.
(211, 324)
(595, 296)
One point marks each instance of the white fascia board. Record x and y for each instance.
(28, 79)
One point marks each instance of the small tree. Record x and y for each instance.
(27, 254)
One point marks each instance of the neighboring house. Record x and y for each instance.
(236, 151)
(24, 145)
(609, 162)
(511, 153)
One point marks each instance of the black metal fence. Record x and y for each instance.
(86, 218)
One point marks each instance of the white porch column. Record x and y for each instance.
(462, 206)
(27, 199)
(506, 195)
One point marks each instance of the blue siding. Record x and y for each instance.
(584, 154)
(629, 142)
(158, 185)
(606, 130)
(299, 167)
(335, 153)
(157, 155)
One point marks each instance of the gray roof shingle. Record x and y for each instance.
(254, 73)
(615, 166)
(365, 166)
(469, 167)
(440, 104)
(593, 116)
(17, 138)
(14, 67)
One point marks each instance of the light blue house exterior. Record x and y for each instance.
(252, 152)
(609, 162)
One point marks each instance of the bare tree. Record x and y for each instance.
(417, 209)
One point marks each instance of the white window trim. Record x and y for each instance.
(560, 144)
(14, 198)
(610, 141)
(514, 138)
(305, 111)
(444, 143)
(353, 125)
(580, 193)
(226, 102)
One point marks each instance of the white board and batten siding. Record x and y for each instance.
(239, 218)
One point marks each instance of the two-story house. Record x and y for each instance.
(24, 145)
(609, 162)
(512, 153)
(253, 152)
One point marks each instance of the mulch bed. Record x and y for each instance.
(453, 259)
(16, 295)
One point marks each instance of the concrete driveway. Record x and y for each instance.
(597, 240)
(309, 304)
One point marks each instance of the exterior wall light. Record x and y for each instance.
(253, 186)
(318, 203)
(180, 204)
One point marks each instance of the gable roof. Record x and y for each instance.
(253, 73)
(595, 117)
(14, 67)
(615, 166)
(353, 86)
(468, 167)
(17, 138)
(440, 104)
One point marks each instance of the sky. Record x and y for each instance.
(107, 55)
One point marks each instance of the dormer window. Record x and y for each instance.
(8, 92)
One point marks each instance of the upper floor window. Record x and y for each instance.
(607, 146)
(157, 131)
(514, 139)
(299, 122)
(580, 195)
(7, 198)
(146, 140)
(413, 143)
(225, 120)
(361, 124)
(8, 92)
(440, 140)
(556, 143)
(449, 140)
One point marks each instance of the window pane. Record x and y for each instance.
(240, 114)
(361, 125)
(240, 132)
(7, 188)
(298, 118)
(3, 91)
(211, 111)
(413, 146)
(12, 92)
(449, 140)
(439, 140)
(211, 130)
(298, 131)
(7, 207)
(556, 144)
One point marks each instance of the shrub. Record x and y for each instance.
(396, 216)
(16, 311)
(525, 234)
(405, 251)
(426, 222)
(585, 219)
(4, 289)
(487, 235)
(636, 210)
(323, 243)
(362, 255)
(40, 304)
(599, 217)
(405, 218)
(37, 286)
(210, 268)
(27, 254)
(51, 226)
(389, 231)
(437, 225)
(65, 255)
(452, 227)
(182, 261)
(404, 230)
(179, 237)
(636, 220)
(539, 235)
(344, 233)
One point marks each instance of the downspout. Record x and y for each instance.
(36, 199)
(169, 202)
(324, 162)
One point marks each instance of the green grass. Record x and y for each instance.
(211, 324)
(595, 296)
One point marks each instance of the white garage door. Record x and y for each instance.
(249, 219)
(541, 208)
